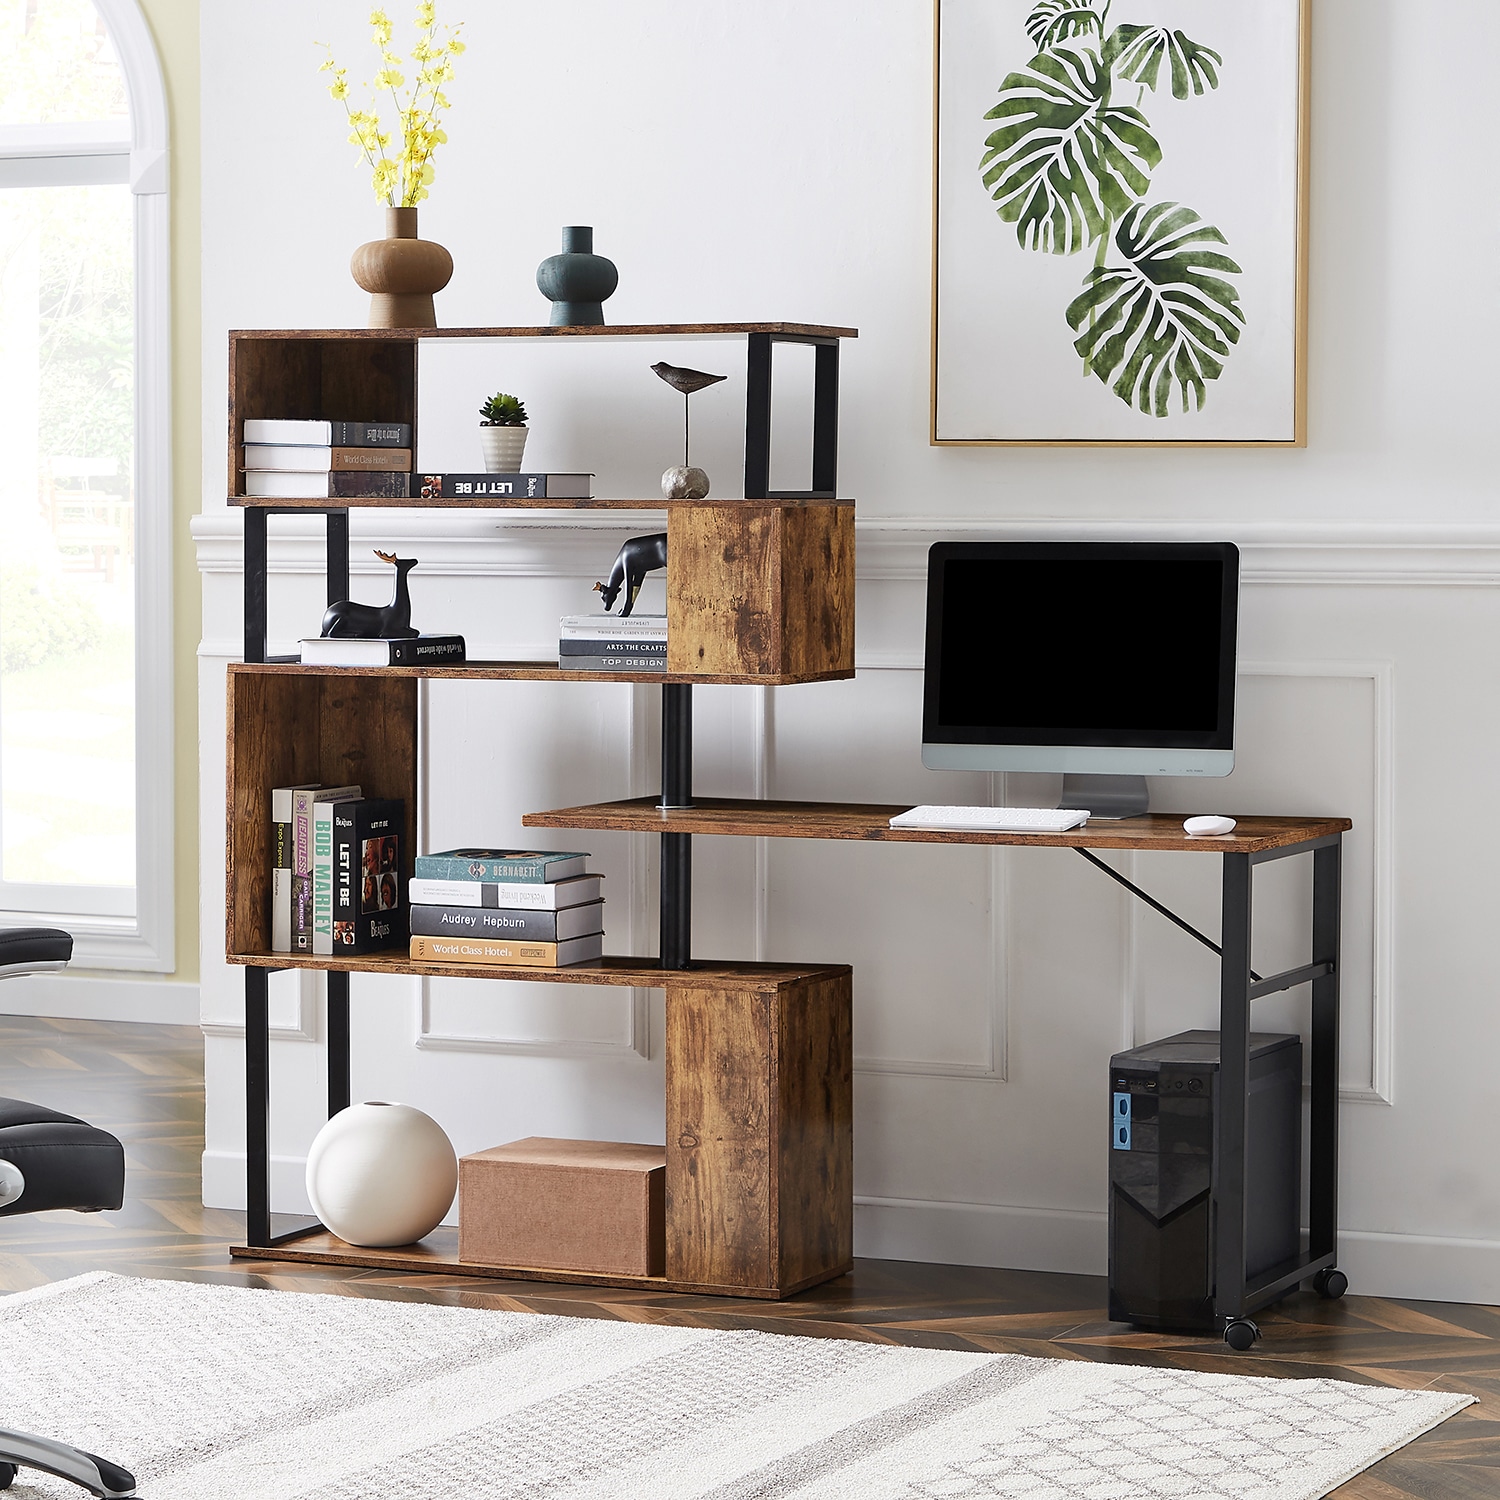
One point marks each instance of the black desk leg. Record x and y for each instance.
(257, 1106)
(1323, 1174)
(1234, 1091)
(338, 1042)
(337, 551)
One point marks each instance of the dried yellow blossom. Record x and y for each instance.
(403, 181)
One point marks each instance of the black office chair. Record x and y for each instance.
(49, 1160)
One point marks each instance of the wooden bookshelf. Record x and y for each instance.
(758, 1056)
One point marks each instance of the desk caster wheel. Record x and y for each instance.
(7, 1475)
(1330, 1284)
(1240, 1334)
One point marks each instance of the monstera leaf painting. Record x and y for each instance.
(1121, 136)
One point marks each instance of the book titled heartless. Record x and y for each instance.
(467, 487)
(328, 434)
(381, 651)
(327, 484)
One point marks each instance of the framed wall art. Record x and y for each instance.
(1120, 222)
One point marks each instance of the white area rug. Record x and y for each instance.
(208, 1393)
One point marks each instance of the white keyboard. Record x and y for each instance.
(993, 819)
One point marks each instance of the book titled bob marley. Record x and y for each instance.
(369, 906)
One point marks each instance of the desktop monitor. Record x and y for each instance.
(1090, 658)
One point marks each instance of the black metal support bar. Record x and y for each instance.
(255, 583)
(1323, 1161)
(1279, 1281)
(1232, 1131)
(296, 1234)
(758, 416)
(257, 1106)
(1285, 851)
(338, 1041)
(338, 555)
(1156, 905)
(1287, 980)
(676, 848)
(825, 442)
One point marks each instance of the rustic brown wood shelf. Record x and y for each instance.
(644, 973)
(870, 823)
(413, 502)
(545, 331)
(535, 671)
(438, 1255)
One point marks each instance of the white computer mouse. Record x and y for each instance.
(1207, 826)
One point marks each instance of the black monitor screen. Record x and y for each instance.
(1081, 644)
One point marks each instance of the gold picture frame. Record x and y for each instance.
(1297, 437)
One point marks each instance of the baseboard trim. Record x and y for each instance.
(224, 1182)
(94, 997)
(981, 1234)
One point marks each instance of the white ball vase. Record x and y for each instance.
(381, 1174)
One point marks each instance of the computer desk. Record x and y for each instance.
(1255, 840)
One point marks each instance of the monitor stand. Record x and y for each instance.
(1106, 796)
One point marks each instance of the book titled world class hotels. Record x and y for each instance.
(519, 954)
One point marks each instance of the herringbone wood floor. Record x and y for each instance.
(145, 1083)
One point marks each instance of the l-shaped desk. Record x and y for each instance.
(1255, 840)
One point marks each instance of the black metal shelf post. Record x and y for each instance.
(825, 445)
(676, 848)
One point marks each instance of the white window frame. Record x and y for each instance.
(64, 155)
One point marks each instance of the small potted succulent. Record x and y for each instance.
(502, 433)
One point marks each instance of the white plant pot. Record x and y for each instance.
(381, 1174)
(502, 448)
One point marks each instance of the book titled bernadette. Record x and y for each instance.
(528, 866)
(381, 651)
(496, 951)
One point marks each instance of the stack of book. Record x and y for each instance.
(293, 460)
(612, 643)
(536, 909)
(336, 883)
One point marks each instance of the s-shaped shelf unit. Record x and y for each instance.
(759, 1066)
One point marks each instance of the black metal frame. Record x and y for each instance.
(1235, 1295)
(825, 445)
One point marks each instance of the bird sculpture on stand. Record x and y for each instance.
(685, 482)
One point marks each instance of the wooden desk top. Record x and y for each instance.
(871, 822)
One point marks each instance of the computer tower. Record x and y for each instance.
(1164, 1103)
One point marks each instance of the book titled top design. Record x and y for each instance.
(440, 487)
(328, 434)
(530, 866)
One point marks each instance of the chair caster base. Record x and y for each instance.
(1240, 1334)
(7, 1475)
(1330, 1284)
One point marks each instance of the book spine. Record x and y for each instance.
(632, 663)
(368, 484)
(484, 922)
(322, 878)
(419, 650)
(474, 893)
(281, 888)
(301, 883)
(345, 459)
(370, 434)
(346, 883)
(440, 867)
(502, 487)
(435, 950)
(602, 645)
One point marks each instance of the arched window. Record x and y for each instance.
(85, 495)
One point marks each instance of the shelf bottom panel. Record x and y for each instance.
(438, 1255)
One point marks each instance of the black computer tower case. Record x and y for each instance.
(1163, 1110)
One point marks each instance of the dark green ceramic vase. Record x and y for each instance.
(577, 281)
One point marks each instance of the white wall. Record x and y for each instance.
(772, 162)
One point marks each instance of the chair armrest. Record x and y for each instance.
(28, 950)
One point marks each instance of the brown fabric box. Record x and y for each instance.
(560, 1205)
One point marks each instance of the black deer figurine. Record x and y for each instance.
(637, 557)
(348, 617)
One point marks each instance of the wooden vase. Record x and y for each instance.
(401, 273)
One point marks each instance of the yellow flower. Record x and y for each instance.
(339, 90)
(426, 13)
